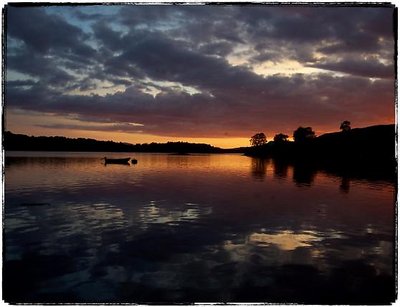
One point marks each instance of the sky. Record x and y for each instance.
(198, 73)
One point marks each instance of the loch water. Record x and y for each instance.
(193, 228)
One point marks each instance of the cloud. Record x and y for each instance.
(189, 70)
(38, 66)
(107, 37)
(126, 127)
(368, 67)
(44, 33)
(331, 31)
(238, 112)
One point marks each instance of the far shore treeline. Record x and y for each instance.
(370, 150)
(20, 142)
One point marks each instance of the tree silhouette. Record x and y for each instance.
(258, 139)
(280, 138)
(302, 134)
(345, 126)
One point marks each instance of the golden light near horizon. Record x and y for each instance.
(36, 123)
(39, 124)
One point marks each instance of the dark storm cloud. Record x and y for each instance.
(370, 68)
(107, 36)
(42, 32)
(17, 83)
(108, 128)
(85, 16)
(184, 54)
(176, 63)
(197, 25)
(334, 30)
(217, 48)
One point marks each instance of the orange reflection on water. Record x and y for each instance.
(285, 240)
(198, 162)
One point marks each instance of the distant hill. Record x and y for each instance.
(369, 143)
(20, 142)
(362, 150)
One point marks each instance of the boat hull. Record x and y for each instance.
(116, 161)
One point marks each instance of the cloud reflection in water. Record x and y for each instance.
(194, 229)
(155, 213)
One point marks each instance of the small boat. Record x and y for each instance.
(134, 161)
(116, 161)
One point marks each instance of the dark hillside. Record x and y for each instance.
(366, 151)
(365, 144)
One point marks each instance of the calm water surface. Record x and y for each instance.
(197, 228)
